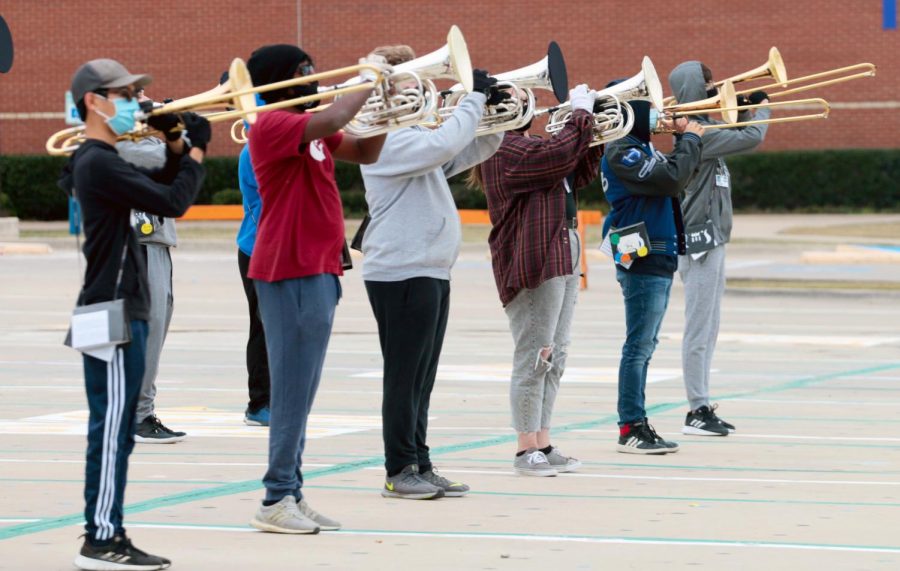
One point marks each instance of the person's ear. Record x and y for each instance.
(90, 101)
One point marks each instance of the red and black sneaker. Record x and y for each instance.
(640, 438)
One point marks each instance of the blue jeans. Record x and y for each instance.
(297, 315)
(646, 300)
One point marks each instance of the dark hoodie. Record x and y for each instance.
(107, 189)
(705, 199)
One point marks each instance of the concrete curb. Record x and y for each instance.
(24, 248)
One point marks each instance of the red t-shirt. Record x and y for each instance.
(301, 227)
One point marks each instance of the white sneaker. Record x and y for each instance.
(283, 517)
(533, 463)
(561, 462)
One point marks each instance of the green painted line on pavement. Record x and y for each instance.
(254, 485)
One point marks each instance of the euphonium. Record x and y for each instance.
(518, 110)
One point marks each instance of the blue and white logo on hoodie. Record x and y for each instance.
(632, 157)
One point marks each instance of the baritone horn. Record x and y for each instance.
(613, 116)
(549, 73)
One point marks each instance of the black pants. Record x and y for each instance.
(412, 319)
(257, 358)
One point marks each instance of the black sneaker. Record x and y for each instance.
(639, 438)
(118, 554)
(670, 446)
(727, 425)
(704, 422)
(152, 431)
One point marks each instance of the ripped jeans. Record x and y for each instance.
(540, 320)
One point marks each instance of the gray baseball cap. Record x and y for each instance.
(104, 73)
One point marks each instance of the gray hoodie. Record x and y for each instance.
(150, 154)
(415, 229)
(708, 194)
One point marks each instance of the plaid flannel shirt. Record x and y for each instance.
(526, 200)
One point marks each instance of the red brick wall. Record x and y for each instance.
(186, 45)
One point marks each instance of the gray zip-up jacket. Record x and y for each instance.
(414, 229)
(150, 153)
(708, 194)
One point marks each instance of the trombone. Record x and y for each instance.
(407, 96)
(613, 116)
(515, 112)
(237, 93)
(726, 104)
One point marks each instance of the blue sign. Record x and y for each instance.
(72, 117)
(889, 15)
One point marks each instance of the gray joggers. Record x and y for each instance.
(704, 286)
(159, 274)
(541, 318)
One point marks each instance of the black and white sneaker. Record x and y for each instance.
(704, 422)
(640, 438)
(671, 447)
(152, 431)
(118, 555)
(727, 425)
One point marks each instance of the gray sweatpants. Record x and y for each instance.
(159, 273)
(540, 318)
(704, 286)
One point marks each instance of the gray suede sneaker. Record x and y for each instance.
(409, 485)
(325, 523)
(451, 489)
(283, 517)
(533, 463)
(561, 462)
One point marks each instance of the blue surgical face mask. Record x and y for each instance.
(654, 119)
(123, 120)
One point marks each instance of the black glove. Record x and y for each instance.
(758, 97)
(497, 96)
(167, 124)
(198, 130)
(482, 82)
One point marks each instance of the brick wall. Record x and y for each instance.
(186, 45)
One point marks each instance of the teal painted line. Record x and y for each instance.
(708, 441)
(254, 485)
(639, 498)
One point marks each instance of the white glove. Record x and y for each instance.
(580, 97)
(367, 74)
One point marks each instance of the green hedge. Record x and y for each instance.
(805, 181)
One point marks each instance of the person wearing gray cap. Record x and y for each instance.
(108, 188)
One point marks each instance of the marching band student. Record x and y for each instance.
(156, 235)
(108, 188)
(258, 412)
(296, 263)
(707, 204)
(410, 246)
(642, 185)
(530, 187)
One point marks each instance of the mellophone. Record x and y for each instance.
(405, 95)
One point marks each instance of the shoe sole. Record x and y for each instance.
(538, 473)
(254, 423)
(694, 431)
(262, 526)
(423, 496)
(455, 494)
(172, 440)
(568, 467)
(645, 451)
(90, 564)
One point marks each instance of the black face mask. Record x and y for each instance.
(712, 92)
(303, 91)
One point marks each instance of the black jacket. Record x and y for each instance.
(107, 189)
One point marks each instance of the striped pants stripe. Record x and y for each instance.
(112, 392)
